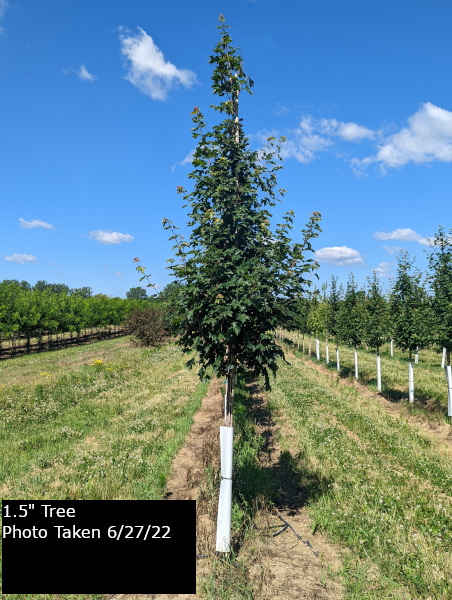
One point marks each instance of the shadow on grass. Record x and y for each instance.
(284, 481)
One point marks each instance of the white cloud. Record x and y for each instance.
(427, 138)
(3, 6)
(404, 235)
(147, 68)
(340, 256)
(350, 132)
(34, 224)
(186, 161)
(392, 249)
(280, 109)
(303, 143)
(21, 258)
(384, 269)
(110, 237)
(84, 75)
(119, 274)
(317, 135)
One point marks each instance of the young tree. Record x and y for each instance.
(377, 323)
(239, 278)
(440, 280)
(169, 304)
(301, 316)
(318, 320)
(411, 315)
(335, 301)
(352, 317)
(326, 320)
(312, 321)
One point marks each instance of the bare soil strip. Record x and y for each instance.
(289, 566)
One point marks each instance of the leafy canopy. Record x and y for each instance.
(409, 305)
(377, 318)
(240, 279)
(440, 279)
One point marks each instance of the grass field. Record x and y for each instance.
(377, 485)
(95, 422)
(430, 386)
(105, 421)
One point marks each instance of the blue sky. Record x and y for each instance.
(95, 103)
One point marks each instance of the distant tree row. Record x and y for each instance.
(135, 293)
(415, 313)
(31, 310)
(54, 288)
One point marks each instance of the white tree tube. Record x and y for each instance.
(338, 364)
(327, 354)
(416, 355)
(317, 348)
(356, 364)
(392, 348)
(449, 386)
(443, 362)
(378, 373)
(223, 542)
(410, 382)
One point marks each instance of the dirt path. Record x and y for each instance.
(289, 566)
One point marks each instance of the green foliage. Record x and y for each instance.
(319, 316)
(410, 307)
(335, 301)
(23, 310)
(352, 314)
(137, 293)
(240, 279)
(84, 292)
(147, 325)
(377, 318)
(168, 298)
(440, 279)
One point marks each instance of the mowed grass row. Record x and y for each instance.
(97, 422)
(430, 385)
(375, 483)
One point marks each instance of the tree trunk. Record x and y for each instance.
(230, 379)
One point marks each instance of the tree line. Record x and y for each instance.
(52, 309)
(416, 311)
